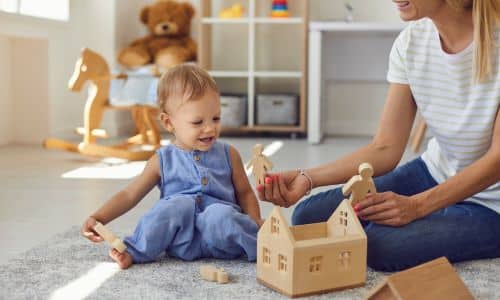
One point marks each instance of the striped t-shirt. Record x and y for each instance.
(459, 113)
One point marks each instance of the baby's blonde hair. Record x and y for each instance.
(183, 83)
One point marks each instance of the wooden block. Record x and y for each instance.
(434, 280)
(109, 237)
(222, 276)
(211, 273)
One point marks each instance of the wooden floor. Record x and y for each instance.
(46, 192)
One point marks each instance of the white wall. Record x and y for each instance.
(14, 27)
(30, 90)
(5, 91)
(364, 10)
(92, 25)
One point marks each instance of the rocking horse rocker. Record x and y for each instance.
(93, 68)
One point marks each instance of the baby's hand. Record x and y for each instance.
(260, 222)
(88, 230)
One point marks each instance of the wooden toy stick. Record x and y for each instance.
(109, 237)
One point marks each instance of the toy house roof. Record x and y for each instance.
(293, 233)
(432, 280)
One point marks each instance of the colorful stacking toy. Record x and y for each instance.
(279, 9)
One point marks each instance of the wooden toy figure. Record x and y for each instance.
(260, 164)
(360, 185)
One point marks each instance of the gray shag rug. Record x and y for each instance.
(70, 267)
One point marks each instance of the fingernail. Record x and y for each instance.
(260, 188)
(356, 207)
(268, 180)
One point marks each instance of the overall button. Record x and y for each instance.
(198, 199)
(196, 157)
(204, 181)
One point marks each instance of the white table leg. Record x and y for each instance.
(314, 122)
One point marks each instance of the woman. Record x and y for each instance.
(446, 202)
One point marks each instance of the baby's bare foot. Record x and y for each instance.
(124, 260)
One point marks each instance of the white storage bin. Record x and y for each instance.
(277, 109)
(233, 110)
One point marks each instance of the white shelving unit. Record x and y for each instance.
(256, 15)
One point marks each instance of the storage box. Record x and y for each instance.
(233, 110)
(277, 109)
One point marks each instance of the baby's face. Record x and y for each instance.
(196, 123)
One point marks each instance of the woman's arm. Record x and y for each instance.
(244, 193)
(471, 180)
(395, 210)
(127, 198)
(383, 152)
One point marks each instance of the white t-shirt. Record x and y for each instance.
(459, 113)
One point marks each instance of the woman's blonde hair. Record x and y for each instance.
(182, 83)
(486, 17)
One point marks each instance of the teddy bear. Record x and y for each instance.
(168, 42)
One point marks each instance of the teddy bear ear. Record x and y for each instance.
(188, 9)
(144, 15)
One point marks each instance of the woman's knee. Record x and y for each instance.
(301, 215)
(317, 208)
(387, 250)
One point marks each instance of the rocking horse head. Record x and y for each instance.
(90, 66)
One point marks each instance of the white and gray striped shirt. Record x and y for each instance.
(459, 113)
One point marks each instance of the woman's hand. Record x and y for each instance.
(88, 230)
(283, 189)
(388, 209)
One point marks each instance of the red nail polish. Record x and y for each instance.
(268, 180)
(260, 188)
(356, 207)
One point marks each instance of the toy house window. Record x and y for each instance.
(345, 259)
(281, 263)
(343, 218)
(315, 264)
(266, 255)
(275, 225)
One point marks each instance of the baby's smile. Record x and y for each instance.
(207, 140)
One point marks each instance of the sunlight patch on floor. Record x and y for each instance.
(110, 168)
(103, 170)
(82, 287)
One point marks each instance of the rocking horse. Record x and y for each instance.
(93, 68)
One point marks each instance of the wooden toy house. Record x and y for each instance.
(434, 280)
(314, 258)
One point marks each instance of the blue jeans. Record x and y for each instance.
(463, 231)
